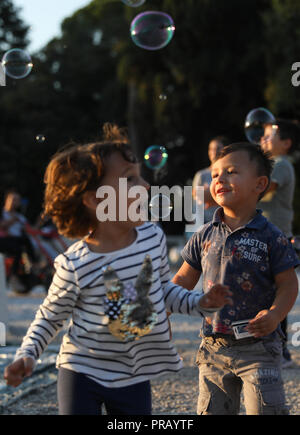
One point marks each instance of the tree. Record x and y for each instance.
(220, 64)
(13, 31)
(13, 34)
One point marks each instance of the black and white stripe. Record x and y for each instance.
(77, 293)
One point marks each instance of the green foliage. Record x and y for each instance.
(13, 32)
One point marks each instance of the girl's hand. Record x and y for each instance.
(217, 297)
(15, 372)
(265, 322)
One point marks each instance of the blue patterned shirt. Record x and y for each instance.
(247, 260)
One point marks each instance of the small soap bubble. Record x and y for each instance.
(40, 138)
(17, 63)
(255, 123)
(156, 157)
(163, 96)
(152, 30)
(133, 3)
(160, 206)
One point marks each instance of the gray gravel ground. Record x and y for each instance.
(172, 394)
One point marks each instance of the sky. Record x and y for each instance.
(45, 17)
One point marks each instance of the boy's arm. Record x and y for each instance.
(266, 321)
(187, 276)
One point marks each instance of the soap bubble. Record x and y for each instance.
(160, 206)
(40, 138)
(255, 124)
(17, 63)
(156, 157)
(163, 96)
(134, 3)
(152, 30)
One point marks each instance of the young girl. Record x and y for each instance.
(117, 265)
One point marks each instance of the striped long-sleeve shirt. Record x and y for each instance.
(78, 292)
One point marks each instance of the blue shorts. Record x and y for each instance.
(79, 395)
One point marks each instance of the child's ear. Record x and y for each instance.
(262, 183)
(89, 200)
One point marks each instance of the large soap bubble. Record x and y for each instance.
(152, 30)
(156, 157)
(255, 123)
(17, 63)
(160, 207)
(134, 3)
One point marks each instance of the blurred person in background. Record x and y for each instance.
(13, 238)
(203, 177)
(277, 204)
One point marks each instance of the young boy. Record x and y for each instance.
(277, 204)
(241, 249)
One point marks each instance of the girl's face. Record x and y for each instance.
(120, 177)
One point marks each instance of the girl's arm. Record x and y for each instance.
(53, 312)
(181, 300)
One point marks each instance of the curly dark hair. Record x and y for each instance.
(76, 170)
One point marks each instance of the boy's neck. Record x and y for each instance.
(238, 218)
(108, 238)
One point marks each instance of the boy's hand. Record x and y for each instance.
(217, 297)
(265, 322)
(18, 370)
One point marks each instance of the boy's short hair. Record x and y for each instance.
(289, 129)
(221, 139)
(263, 160)
(76, 170)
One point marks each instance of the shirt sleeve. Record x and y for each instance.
(53, 312)
(281, 173)
(191, 253)
(282, 254)
(183, 301)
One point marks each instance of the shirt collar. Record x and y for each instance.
(257, 223)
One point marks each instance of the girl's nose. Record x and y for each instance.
(145, 184)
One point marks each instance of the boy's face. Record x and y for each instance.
(272, 143)
(235, 183)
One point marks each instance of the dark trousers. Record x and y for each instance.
(79, 395)
(14, 246)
